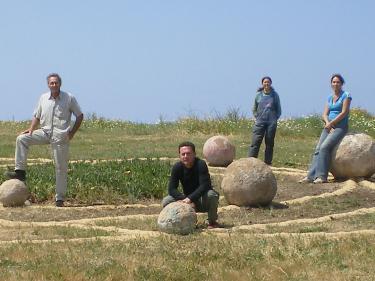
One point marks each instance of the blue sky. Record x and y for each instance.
(142, 60)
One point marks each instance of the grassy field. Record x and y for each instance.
(108, 231)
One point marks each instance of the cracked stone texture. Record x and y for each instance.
(13, 193)
(177, 218)
(249, 182)
(354, 157)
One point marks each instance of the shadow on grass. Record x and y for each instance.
(271, 206)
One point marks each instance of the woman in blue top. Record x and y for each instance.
(335, 117)
(266, 110)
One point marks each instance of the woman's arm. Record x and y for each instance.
(255, 106)
(325, 114)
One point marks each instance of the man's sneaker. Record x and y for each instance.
(319, 180)
(59, 203)
(305, 180)
(213, 225)
(17, 174)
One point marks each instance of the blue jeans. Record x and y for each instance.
(268, 131)
(323, 151)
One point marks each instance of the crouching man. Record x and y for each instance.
(193, 174)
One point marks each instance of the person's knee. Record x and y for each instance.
(326, 148)
(20, 139)
(61, 168)
(257, 139)
(212, 196)
(269, 142)
(167, 200)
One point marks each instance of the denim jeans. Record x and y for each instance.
(323, 152)
(207, 203)
(268, 131)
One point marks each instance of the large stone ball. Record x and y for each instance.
(354, 156)
(249, 182)
(177, 218)
(219, 151)
(13, 193)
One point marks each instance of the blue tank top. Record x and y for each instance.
(336, 108)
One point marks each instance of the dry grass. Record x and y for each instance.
(194, 257)
(310, 232)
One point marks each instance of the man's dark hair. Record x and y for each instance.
(54, 75)
(186, 143)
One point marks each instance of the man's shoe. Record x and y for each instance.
(319, 180)
(59, 203)
(213, 225)
(305, 180)
(17, 174)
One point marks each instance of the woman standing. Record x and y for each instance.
(267, 111)
(336, 119)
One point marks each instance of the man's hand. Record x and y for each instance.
(34, 125)
(28, 131)
(188, 201)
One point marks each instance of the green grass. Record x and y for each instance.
(242, 255)
(52, 232)
(105, 181)
(100, 138)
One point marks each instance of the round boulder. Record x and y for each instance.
(13, 193)
(219, 151)
(177, 218)
(249, 182)
(354, 157)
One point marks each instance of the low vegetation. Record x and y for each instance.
(110, 182)
(121, 242)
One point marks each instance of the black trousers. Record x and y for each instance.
(268, 131)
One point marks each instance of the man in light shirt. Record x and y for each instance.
(53, 114)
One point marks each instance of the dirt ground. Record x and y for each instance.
(302, 204)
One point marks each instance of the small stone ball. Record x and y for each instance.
(177, 218)
(13, 193)
(219, 151)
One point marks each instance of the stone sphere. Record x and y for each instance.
(13, 193)
(177, 218)
(219, 151)
(249, 182)
(354, 157)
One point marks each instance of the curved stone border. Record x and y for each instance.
(123, 234)
(288, 235)
(130, 235)
(307, 221)
(349, 186)
(367, 184)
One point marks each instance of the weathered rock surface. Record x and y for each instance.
(13, 193)
(249, 182)
(177, 218)
(354, 157)
(219, 151)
